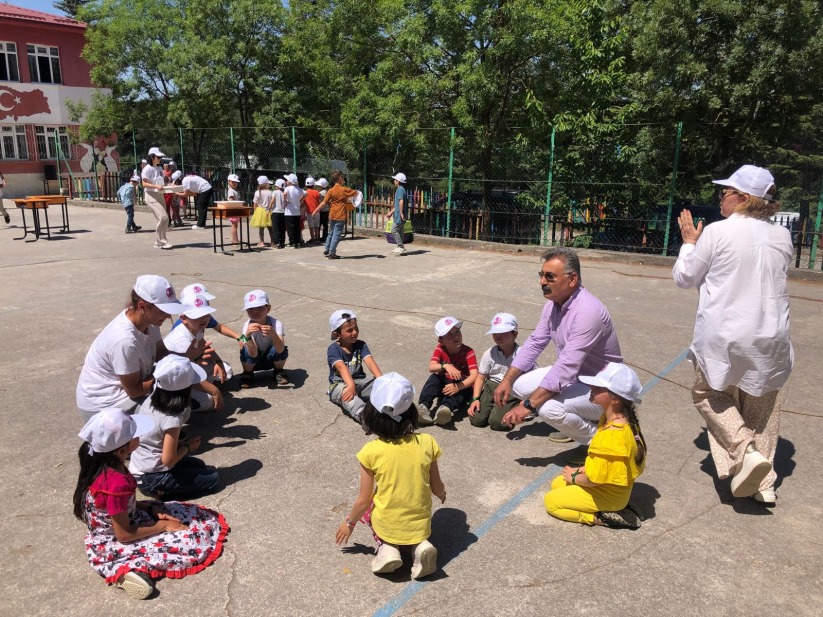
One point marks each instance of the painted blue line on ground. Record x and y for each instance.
(412, 589)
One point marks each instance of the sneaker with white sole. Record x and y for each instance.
(558, 437)
(196, 226)
(767, 496)
(136, 584)
(424, 417)
(425, 560)
(400, 250)
(754, 468)
(443, 415)
(387, 560)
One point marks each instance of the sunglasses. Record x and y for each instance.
(550, 277)
(726, 192)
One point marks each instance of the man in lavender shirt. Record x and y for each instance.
(584, 337)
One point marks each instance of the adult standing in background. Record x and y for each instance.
(203, 194)
(5, 214)
(153, 183)
(292, 196)
(400, 212)
(741, 349)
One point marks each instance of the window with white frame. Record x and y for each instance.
(44, 64)
(13, 142)
(44, 136)
(8, 62)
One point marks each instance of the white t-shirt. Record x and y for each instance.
(147, 458)
(494, 363)
(233, 195)
(262, 198)
(180, 338)
(292, 196)
(120, 349)
(195, 184)
(264, 342)
(277, 200)
(153, 175)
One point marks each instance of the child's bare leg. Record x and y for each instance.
(234, 233)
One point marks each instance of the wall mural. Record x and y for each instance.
(18, 104)
(101, 155)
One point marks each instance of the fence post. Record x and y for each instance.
(365, 190)
(231, 135)
(294, 151)
(672, 187)
(134, 151)
(449, 196)
(548, 210)
(816, 236)
(182, 164)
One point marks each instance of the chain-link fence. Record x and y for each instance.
(619, 189)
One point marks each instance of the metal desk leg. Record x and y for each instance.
(214, 231)
(48, 227)
(25, 228)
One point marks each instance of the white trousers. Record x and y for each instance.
(569, 411)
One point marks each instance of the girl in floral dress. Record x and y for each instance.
(131, 543)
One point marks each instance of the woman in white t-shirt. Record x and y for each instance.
(118, 366)
(153, 183)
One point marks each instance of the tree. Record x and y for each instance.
(70, 7)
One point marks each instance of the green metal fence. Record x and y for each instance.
(599, 191)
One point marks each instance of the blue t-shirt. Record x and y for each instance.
(213, 323)
(354, 360)
(399, 194)
(126, 194)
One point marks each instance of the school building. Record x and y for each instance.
(41, 69)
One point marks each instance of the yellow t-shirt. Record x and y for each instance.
(611, 455)
(402, 512)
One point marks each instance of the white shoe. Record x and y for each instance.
(164, 245)
(754, 468)
(136, 584)
(387, 559)
(425, 560)
(767, 496)
(400, 250)
(195, 226)
(443, 415)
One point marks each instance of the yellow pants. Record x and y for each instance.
(578, 504)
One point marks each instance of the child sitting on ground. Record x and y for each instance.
(453, 368)
(598, 493)
(346, 356)
(131, 543)
(493, 366)
(161, 464)
(191, 333)
(403, 465)
(264, 341)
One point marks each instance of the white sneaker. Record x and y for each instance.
(443, 415)
(195, 226)
(387, 559)
(136, 584)
(400, 250)
(754, 468)
(767, 496)
(165, 245)
(425, 560)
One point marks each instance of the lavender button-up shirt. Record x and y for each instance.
(583, 334)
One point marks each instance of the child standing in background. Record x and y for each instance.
(278, 213)
(322, 184)
(263, 200)
(311, 199)
(403, 466)
(292, 200)
(232, 194)
(453, 368)
(338, 197)
(127, 194)
(400, 212)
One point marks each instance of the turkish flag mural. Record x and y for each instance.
(19, 104)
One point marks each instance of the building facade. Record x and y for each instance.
(40, 69)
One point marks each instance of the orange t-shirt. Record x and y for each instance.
(338, 196)
(312, 199)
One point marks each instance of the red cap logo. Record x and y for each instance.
(252, 297)
(198, 302)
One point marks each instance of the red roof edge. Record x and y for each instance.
(17, 12)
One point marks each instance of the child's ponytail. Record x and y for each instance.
(634, 424)
(91, 466)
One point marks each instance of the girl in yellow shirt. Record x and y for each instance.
(403, 465)
(598, 493)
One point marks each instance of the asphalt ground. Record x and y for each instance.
(287, 456)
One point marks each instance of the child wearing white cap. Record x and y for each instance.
(132, 543)
(232, 194)
(347, 354)
(322, 185)
(221, 328)
(598, 492)
(127, 194)
(399, 213)
(292, 200)
(264, 341)
(311, 202)
(191, 333)
(402, 465)
(162, 465)
(495, 362)
(453, 368)
(278, 213)
(262, 201)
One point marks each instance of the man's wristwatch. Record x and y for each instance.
(528, 405)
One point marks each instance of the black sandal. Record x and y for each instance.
(623, 519)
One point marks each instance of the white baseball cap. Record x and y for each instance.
(176, 175)
(618, 379)
(309, 181)
(291, 178)
(336, 320)
(400, 177)
(143, 161)
(175, 372)
(135, 178)
(751, 180)
(280, 183)
(503, 322)
(159, 292)
(255, 298)
(196, 306)
(233, 178)
(392, 394)
(322, 182)
(156, 152)
(263, 180)
(196, 288)
(444, 326)
(113, 428)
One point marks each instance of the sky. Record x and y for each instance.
(47, 6)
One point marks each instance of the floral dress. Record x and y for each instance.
(174, 554)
